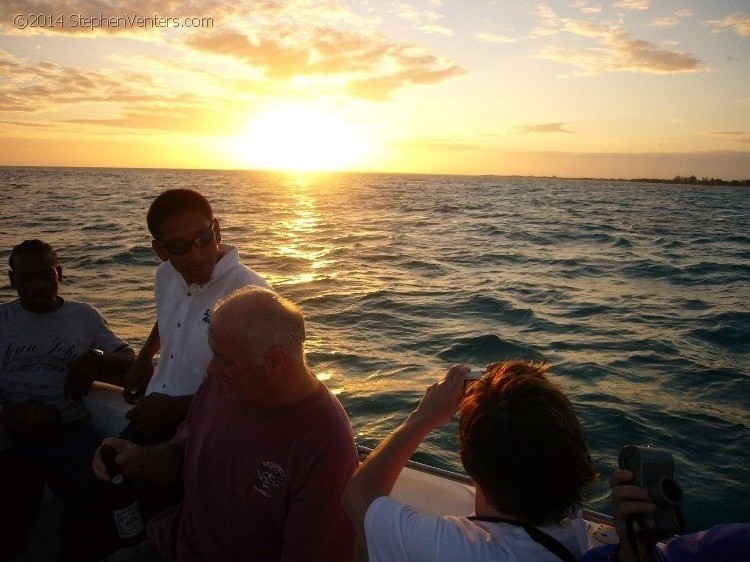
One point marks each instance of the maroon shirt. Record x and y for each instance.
(261, 484)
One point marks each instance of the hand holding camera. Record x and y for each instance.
(647, 500)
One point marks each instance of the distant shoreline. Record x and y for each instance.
(678, 180)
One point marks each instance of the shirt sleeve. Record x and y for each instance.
(104, 338)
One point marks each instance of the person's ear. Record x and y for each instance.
(276, 358)
(217, 231)
(12, 277)
(159, 250)
(59, 272)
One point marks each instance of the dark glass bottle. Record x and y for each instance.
(125, 510)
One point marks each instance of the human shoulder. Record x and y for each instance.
(396, 531)
(230, 266)
(77, 308)
(326, 409)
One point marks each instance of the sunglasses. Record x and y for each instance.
(180, 246)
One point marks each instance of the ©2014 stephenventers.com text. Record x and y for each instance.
(100, 21)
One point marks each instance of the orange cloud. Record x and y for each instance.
(739, 23)
(545, 128)
(372, 67)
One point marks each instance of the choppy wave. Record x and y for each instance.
(637, 294)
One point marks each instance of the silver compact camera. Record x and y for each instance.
(473, 376)
(653, 470)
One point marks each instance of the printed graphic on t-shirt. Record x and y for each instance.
(58, 349)
(269, 478)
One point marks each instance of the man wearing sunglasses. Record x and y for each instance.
(197, 270)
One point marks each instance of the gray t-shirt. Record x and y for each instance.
(36, 350)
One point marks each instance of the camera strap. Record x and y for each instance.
(550, 543)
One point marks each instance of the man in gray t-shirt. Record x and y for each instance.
(51, 350)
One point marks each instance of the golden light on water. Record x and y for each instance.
(295, 241)
(301, 137)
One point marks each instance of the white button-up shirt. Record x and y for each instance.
(183, 313)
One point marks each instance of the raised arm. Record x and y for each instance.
(377, 475)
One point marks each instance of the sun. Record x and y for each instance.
(300, 138)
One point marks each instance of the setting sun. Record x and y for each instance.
(293, 137)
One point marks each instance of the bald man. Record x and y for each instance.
(265, 452)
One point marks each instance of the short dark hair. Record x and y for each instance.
(523, 444)
(34, 246)
(174, 202)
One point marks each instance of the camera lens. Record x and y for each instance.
(665, 492)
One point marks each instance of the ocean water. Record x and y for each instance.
(637, 294)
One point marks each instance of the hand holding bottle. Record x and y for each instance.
(127, 455)
(126, 512)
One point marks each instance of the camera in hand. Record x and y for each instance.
(653, 470)
(472, 377)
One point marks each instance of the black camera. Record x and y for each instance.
(653, 470)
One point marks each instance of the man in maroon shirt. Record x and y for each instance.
(265, 452)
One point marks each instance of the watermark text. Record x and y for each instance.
(100, 21)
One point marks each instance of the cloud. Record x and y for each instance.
(280, 60)
(434, 29)
(544, 128)
(124, 99)
(36, 86)
(585, 8)
(632, 4)
(416, 70)
(366, 64)
(26, 124)
(739, 23)
(423, 20)
(274, 43)
(613, 50)
(663, 22)
(733, 136)
(493, 38)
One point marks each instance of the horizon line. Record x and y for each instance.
(330, 172)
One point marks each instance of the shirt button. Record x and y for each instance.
(171, 356)
(164, 386)
(178, 324)
(190, 294)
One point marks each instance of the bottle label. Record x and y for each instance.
(128, 521)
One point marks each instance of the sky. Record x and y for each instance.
(572, 88)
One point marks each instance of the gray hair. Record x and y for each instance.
(266, 320)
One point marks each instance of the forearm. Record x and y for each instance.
(151, 347)
(140, 372)
(153, 343)
(115, 364)
(378, 473)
